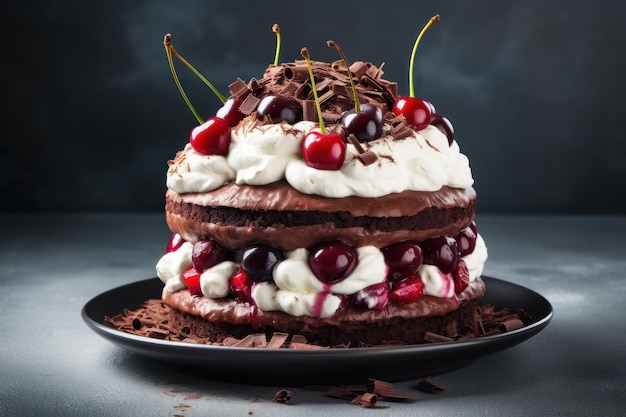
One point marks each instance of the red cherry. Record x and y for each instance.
(403, 258)
(191, 278)
(241, 287)
(417, 112)
(279, 108)
(230, 111)
(466, 241)
(206, 254)
(441, 251)
(175, 242)
(407, 291)
(444, 125)
(211, 138)
(331, 262)
(366, 124)
(325, 152)
(374, 296)
(460, 277)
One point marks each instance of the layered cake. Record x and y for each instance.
(354, 229)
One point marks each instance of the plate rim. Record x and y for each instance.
(108, 332)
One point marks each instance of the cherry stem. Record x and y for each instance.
(276, 30)
(332, 44)
(167, 42)
(432, 20)
(305, 53)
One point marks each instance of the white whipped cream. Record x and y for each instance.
(296, 291)
(214, 282)
(192, 172)
(264, 154)
(171, 266)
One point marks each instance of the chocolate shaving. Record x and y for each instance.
(358, 69)
(249, 105)
(368, 158)
(239, 88)
(429, 386)
(309, 111)
(282, 396)
(368, 400)
(297, 73)
(355, 142)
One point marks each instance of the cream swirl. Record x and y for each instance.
(262, 154)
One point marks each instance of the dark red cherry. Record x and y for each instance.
(460, 277)
(441, 251)
(473, 227)
(407, 291)
(444, 125)
(374, 296)
(325, 152)
(241, 287)
(332, 262)
(211, 138)
(191, 278)
(279, 108)
(205, 254)
(466, 241)
(175, 242)
(417, 112)
(230, 111)
(403, 258)
(258, 262)
(366, 125)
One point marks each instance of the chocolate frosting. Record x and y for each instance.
(282, 197)
(227, 310)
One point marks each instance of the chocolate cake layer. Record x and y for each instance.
(279, 216)
(220, 318)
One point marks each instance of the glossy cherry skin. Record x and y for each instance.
(241, 287)
(230, 111)
(279, 108)
(258, 262)
(191, 278)
(407, 291)
(211, 138)
(417, 112)
(444, 125)
(326, 152)
(206, 254)
(466, 241)
(332, 262)
(403, 259)
(374, 296)
(441, 251)
(366, 125)
(175, 242)
(460, 277)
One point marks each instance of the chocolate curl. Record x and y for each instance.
(277, 340)
(512, 324)
(434, 338)
(309, 111)
(358, 68)
(368, 400)
(429, 386)
(298, 73)
(282, 396)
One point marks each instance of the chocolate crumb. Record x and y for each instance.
(429, 386)
(282, 396)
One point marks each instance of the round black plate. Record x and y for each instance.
(324, 366)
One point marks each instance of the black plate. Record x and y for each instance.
(299, 367)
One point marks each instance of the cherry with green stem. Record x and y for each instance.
(417, 112)
(321, 150)
(366, 121)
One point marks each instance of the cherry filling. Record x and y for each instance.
(334, 261)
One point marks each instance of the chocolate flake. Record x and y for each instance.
(429, 386)
(282, 396)
(239, 88)
(249, 104)
(368, 158)
(367, 399)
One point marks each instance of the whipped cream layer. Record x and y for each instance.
(296, 291)
(263, 154)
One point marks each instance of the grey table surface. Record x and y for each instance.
(52, 364)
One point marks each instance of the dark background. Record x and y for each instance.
(90, 114)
